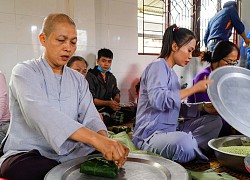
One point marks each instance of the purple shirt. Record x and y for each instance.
(4, 100)
(201, 96)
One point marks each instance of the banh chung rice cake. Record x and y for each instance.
(241, 150)
(99, 166)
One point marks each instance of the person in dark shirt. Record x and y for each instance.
(220, 26)
(103, 85)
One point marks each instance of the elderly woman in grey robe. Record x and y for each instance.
(53, 116)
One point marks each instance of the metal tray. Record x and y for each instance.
(230, 96)
(230, 160)
(137, 166)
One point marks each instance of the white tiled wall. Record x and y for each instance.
(116, 28)
(20, 22)
(100, 23)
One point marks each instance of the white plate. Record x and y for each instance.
(137, 167)
(230, 95)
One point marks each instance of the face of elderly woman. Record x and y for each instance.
(80, 66)
(59, 45)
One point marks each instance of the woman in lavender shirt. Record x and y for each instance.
(157, 128)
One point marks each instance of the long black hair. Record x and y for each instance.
(221, 50)
(180, 36)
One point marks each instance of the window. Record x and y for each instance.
(151, 25)
(155, 15)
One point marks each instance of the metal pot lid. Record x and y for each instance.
(137, 166)
(230, 95)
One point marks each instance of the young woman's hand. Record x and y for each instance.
(202, 85)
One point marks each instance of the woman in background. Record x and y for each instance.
(225, 53)
(79, 64)
(157, 128)
(4, 107)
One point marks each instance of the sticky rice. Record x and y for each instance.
(241, 150)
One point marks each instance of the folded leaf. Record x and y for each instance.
(99, 167)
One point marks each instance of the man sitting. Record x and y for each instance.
(103, 86)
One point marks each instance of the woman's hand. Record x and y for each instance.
(202, 85)
(111, 149)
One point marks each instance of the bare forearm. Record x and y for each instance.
(187, 92)
(112, 104)
(99, 102)
(111, 149)
(85, 135)
(244, 36)
(201, 86)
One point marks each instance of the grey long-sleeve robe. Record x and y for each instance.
(46, 109)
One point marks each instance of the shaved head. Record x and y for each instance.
(53, 19)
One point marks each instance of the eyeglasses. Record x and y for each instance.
(230, 62)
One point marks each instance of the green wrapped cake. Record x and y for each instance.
(99, 166)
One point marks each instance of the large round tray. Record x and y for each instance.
(137, 166)
(229, 94)
(230, 160)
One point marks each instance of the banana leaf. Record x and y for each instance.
(98, 166)
(123, 138)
